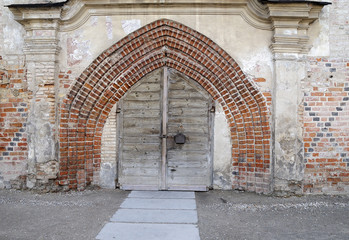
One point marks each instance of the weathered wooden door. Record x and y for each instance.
(165, 134)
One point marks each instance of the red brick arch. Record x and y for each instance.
(158, 44)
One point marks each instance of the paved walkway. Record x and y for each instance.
(153, 215)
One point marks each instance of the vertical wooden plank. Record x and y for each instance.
(118, 137)
(212, 112)
(119, 141)
(164, 131)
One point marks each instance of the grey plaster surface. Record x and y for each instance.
(155, 216)
(143, 231)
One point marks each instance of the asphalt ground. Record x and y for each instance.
(223, 215)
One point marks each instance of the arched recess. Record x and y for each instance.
(115, 71)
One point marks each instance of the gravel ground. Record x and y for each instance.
(234, 215)
(58, 216)
(223, 215)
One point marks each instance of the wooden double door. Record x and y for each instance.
(165, 134)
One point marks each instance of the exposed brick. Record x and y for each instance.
(203, 62)
(329, 141)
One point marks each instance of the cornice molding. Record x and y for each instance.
(75, 13)
(291, 22)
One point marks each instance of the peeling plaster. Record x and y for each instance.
(94, 21)
(260, 63)
(222, 151)
(319, 35)
(109, 27)
(77, 49)
(107, 175)
(13, 34)
(130, 25)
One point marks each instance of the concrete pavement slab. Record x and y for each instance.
(161, 194)
(155, 216)
(159, 203)
(135, 231)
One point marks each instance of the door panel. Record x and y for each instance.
(162, 105)
(140, 145)
(188, 163)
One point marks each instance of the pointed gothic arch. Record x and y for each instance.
(164, 43)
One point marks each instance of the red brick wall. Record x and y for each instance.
(13, 118)
(326, 126)
(164, 43)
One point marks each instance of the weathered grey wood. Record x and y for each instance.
(128, 164)
(143, 121)
(141, 147)
(160, 106)
(143, 171)
(144, 131)
(143, 181)
(189, 165)
(195, 121)
(118, 137)
(172, 128)
(183, 103)
(196, 188)
(139, 96)
(129, 113)
(151, 86)
(186, 112)
(188, 172)
(147, 155)
(140, 187)
(164, 130)
(153, 104)
(141, 127)
(185, 163)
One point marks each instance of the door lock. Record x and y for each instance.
(179, 138)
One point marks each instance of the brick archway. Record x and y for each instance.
(158, 44)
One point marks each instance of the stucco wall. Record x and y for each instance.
(81, 46)
(13, 101)
(31, 92)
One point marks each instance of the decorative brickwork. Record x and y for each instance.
(326, 127)
(13, 118)
(115, 71)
